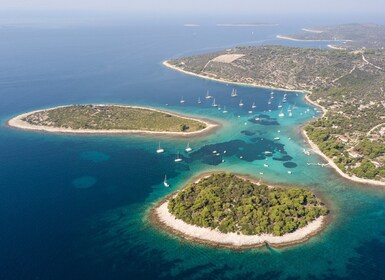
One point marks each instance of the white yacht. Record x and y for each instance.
(188, 148)
(240, 103)
(199, 100)
(224, 110)
(281, 114)
(208, 96)
(182, 100)
(253, 106)
(165, 182)
(234, 93)
(214, 104)
(159, 150)
(178, 159)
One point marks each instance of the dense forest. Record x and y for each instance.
(229, 203)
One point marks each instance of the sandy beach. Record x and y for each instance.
(306, 97)
(17, 122)
(165, 219)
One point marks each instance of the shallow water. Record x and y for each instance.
(75, 207)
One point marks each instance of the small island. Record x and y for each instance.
(227, 210)
(110, 119)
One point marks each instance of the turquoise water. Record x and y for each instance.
(75, 207)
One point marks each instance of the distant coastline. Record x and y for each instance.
(285, 37)
(306, 138)
(19, 123)
(246, 24)
(312, 30)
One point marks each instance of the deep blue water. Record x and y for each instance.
(75, 207)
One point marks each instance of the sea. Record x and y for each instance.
(77, 206)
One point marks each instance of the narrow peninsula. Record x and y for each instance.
(113, 119)
(347, 84)
(227, 210)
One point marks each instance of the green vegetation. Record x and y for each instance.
(232, 204)
(108, 117)
(348, 83)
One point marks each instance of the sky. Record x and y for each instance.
(199, 6)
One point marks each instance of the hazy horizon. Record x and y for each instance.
(198, 7)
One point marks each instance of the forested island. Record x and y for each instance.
(349, 85)
(224, 208)
(109, 119)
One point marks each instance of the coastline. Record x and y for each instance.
(17, 122)
(307, 139)
(312, 30)
(168, 65)
(284, 37)
(162, 218)
(331, 163)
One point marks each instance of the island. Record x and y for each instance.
(104, 118)
(346, 85)
(343, 36)
(228, 210)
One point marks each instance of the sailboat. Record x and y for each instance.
(199, 100)
(182, 100)
(208, 96)
(165, 182)
(253, 106)
(214, 104)
(234, 93)
(240, 103)
(159, 150)
(289, 111)
(178, 159)
(280, 105)
(224, 110)
(281, 114)
(188, 148)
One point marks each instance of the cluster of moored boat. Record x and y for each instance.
(234, 94)
(253, 106)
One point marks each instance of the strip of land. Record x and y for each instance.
(111, 119)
